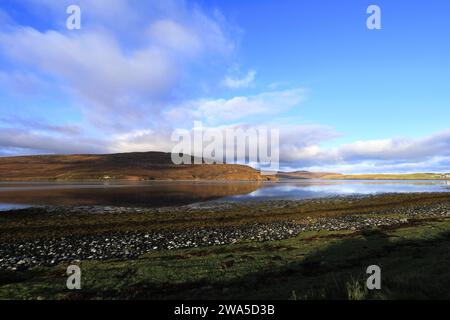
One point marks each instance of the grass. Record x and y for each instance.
(135, 166)
(314, 265)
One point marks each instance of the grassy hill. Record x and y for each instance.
(143, 166)
(304, 175)
(412, 176)
(338, 176)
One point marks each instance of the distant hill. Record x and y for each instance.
(410, 176)
(338, 176)
(304, 175)
(137, 166)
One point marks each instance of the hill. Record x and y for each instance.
(338, 176)
(410, 176)
(144, 166)
(304, 175)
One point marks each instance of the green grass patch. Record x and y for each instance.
(314, 265)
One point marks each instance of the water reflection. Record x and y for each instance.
(143, 195)
(305, 189)
(178, 193)
(9, 206)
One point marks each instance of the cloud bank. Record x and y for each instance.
(138, 70)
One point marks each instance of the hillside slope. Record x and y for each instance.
(406, 176)
(304, 175)
(121, 166)
(339, 176)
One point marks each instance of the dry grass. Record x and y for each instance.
(123, 166)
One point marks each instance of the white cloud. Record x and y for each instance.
(236, 83)
(434, 165)
(21, 83)
(142, 141)
(119, 82)
(36, 124)
(398, 149)
(172, 35)
(236, 108)
(25, 141)
(430, 153)
(96, 70)
(300, 138)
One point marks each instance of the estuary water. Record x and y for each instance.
(153, 194)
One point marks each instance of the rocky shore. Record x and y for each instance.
(22, 254)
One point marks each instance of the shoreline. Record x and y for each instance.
(279, 179)
(21, 251)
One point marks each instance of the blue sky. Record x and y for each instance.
(344, 97)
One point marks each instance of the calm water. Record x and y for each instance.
(305, 189)
(17, 195)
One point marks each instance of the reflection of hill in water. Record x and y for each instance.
(164, 194)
